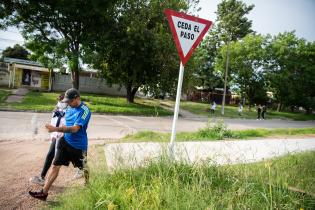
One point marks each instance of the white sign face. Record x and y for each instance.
(187, 32)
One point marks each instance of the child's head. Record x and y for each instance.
(61, 97)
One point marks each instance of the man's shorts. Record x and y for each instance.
(66, 154)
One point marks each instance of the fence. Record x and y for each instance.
(62, 82)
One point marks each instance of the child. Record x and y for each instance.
(57, 120)
(240, 109)
(213, 106)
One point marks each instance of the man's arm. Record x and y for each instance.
(63, 129)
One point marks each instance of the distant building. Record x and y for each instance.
(15, 73)
(24, 73)
(201, 94)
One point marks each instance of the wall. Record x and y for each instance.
(62, 82)
(4, 78)
(4, 74)
(18, 77)
(44, 80)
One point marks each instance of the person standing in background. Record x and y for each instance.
(258, 112)
(213, 106)
(240, 109)
(264, 110)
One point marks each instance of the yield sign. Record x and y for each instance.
(187, 31)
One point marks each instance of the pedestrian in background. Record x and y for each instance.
(213, 106)
(264, 110)
(240, 109)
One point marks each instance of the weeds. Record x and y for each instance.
(166, 185)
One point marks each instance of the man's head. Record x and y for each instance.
(72, 97)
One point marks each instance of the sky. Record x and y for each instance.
(268, 16)
(274, 16)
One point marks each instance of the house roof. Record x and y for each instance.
(22, 61)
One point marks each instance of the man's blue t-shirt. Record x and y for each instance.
(78, 116)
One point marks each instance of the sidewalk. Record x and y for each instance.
(182, 113)
(17, 95)
(215, 152)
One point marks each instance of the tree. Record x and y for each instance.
(232, 25)
(139, 50)
(291, 71)
(67, 24)
(246, 63)
(16, 52)
(205, 59)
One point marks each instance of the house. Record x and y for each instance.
(25, 73)
(15, 73)
(202, 94)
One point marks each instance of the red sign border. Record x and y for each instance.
(169, 13)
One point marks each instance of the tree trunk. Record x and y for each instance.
(74, 64)
(75, 79)
(279, 107)
(131, 92)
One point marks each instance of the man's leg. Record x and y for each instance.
(42, 195)
(51, 178)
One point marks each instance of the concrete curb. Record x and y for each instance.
(132, 155)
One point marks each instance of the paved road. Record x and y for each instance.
(22, 125)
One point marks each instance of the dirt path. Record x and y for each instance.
(20, 160)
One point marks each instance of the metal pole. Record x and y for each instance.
(10, 75)
(225, 79)
(178, 94)
(13, 76)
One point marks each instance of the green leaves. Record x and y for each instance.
(232, 23)
(16, 52)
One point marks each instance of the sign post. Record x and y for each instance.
(188, 32)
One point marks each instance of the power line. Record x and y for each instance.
(10, 31)
(10, 40)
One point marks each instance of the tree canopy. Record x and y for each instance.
(17, 51)
(64, 24)
(139, 50)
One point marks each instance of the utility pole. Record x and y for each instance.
(226, 73)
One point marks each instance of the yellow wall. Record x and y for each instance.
(44, 80)
(44, 76)
(18, 77)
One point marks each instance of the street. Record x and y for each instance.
(22, 150)
(25, 125)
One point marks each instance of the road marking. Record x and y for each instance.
(131, 119)
(120, 123)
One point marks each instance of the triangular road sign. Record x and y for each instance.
(187, 31)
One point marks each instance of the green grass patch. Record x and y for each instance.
(44, 101)
(217, 131)
(166, 185)
(203, 109)
(3, 95)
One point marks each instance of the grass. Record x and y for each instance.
(44, 101)
(216, 131)
(3, 95)
(166, 185)
(232, 112)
